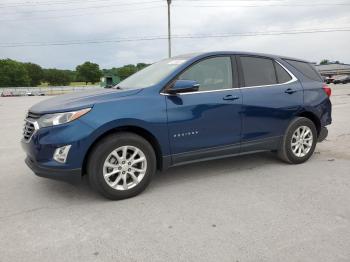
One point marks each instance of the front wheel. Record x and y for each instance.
(121, 165)
(299, 141)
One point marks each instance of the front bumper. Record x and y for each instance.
(68, 175)
(41, 147)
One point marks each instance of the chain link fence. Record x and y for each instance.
(43, 91)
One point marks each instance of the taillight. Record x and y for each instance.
(327, 90)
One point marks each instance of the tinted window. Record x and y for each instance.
(212, 73)
(306, 69)
(258, 71)
(282, 75)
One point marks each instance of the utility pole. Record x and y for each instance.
(169, 29)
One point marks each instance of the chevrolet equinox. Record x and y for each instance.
(180, 110)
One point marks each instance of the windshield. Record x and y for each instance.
(151, 75)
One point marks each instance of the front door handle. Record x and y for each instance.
(290, 91)
(230, 97)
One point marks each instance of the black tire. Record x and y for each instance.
(285, 152)
(101, 151)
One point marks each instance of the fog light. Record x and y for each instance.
(61, 154)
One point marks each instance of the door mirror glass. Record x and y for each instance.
(184, 86)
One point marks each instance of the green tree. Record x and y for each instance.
(89, 72)
(57, 77)
(126, 71)
(141, 66)
(72, 75)
(35, 72)
(13, 74)
(324, 62)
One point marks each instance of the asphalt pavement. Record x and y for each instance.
(248, 208)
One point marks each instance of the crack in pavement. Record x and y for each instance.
(30, 211)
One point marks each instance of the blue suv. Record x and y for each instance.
(180, 110)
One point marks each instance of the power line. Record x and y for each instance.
(153, 38)
(35, 4)
(74, 2)
(268, 5)
(150, 7)
(67, 2)
(85, 8)
(82, 14)
(229, 1)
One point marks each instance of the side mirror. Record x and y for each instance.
(184, 86)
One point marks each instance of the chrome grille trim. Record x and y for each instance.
(30, 127)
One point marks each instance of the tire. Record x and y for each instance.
(291, 153)
(107, 157)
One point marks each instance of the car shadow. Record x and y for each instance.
(190, 173)
(217, 167)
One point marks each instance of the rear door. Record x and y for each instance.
(271, 97)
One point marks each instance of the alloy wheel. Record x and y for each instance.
(125, 167)
(302, 141)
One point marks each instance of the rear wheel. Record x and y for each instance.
(299, 141)
(121, 165)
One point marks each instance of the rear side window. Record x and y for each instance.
(282, 75)
(306, 69)
(258, 71)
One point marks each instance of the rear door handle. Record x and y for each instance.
(230, 97)
(290, 91)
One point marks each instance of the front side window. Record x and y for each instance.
(211, 74)
(258, 71)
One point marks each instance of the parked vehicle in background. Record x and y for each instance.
(328, 80)
(342, 80)
(181, 110)
(6, 94)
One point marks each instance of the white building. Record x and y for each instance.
(333, 69)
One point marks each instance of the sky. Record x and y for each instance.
(50, 25)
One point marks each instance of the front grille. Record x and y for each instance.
(28, 130)
(30, 125)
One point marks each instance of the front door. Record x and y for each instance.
(206, 123)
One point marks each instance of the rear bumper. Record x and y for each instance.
(68, 175)
(323, 134)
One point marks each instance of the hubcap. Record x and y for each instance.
(302, 141)
(124, 167)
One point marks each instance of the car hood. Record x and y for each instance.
(79, 100)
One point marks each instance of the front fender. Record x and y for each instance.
(146, 112)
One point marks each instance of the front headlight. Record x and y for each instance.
(61, 118)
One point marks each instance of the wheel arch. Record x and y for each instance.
(313, 118)
(147, 135)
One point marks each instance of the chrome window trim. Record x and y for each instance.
(294, 79)
(200, 92)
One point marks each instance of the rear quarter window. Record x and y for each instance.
(282, 75)
(306, 69)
